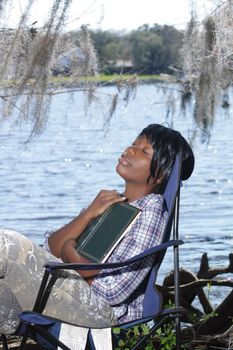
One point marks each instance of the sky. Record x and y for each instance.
(115, 14)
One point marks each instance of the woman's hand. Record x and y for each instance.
(103, 200)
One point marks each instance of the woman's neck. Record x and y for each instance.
(133, 193)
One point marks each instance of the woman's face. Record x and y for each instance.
(134, 164)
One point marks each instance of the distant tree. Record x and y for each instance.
(146, 50)
(155, 49)
(149, 49)
(111, 47)
(172, 41)
(101, 39)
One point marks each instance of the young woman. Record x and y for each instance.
(99, 298)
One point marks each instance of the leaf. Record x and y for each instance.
(121, 342)
(116, 330)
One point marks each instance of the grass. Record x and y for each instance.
(104, 79)
(110, 79)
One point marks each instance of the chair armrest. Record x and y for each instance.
(54, 265)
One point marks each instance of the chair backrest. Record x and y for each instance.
(152, 299)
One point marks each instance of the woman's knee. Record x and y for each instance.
(9, 310)
(17, 247)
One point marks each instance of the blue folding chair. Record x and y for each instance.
(34, 322)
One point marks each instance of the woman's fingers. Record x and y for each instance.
(109, 195)
(103, 200)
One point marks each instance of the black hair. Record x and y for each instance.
(167, 143)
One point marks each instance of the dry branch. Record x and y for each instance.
(203, 283)
(206, 272)
(28, 57)
(210, 327)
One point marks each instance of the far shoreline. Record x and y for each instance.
(111, 80)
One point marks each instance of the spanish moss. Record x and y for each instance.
(207, 58)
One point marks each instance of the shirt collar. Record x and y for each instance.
(141, 203)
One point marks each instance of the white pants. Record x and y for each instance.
(21, 271)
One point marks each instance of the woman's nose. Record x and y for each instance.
(130, 151)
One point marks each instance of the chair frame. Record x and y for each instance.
(4, 342)
(34, 320)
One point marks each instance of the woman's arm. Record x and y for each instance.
(69, 254)
(70, 231)
(73, 230)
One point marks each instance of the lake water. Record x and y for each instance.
(45, 183)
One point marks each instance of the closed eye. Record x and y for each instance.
(146, 152)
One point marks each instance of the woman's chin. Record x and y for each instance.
(120, 170)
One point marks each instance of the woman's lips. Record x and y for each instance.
(124, 160)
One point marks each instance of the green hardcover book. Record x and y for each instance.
(105, 232)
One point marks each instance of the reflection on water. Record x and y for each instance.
(44, 184)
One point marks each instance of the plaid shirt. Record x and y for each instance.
(122, 288)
